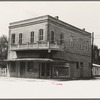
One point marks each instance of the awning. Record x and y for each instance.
(96, 65)
(40, 60)
(29, 59)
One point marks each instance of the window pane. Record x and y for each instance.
(61, 38)
(40, 34)
(20, 38)
(32, 37)
(52, 36)
(71, 41)
(13, 38)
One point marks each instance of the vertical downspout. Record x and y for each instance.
(92, 39)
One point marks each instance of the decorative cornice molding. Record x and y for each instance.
(66, 26)
(28, 24)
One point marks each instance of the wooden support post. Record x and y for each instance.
(51, 69)
(39, 70)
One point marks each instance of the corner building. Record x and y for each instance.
(46, 47)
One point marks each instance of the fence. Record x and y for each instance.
(3, 72)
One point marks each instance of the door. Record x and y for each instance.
(48, 70)
(45, 70)
(81, 69)
(22, 69)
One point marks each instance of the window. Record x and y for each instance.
(52, 37)
(71, 41)
(81, 64)
(20, 38)
(30, 66)
(61, 38)
(81, 44)
(77, 64)
(32, 37)
(13, 67)
(87, 46)
(40, 34)
(13, 39)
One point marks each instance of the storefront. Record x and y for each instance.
(38, 68)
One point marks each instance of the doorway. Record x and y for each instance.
(45, 70)
(22, 69)
(81, 69)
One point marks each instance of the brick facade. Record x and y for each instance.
(70, 53)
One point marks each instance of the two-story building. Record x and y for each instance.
(46, 47)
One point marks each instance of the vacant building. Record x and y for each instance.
(46, 47)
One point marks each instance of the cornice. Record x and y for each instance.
(28, 24)
(67, 26)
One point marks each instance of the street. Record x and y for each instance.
(47, 88)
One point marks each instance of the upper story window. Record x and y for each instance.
(20, 38)
(40, 34)
(32, 37)
(52, 40)
(87, 46)
(71, 41)
(61, 38)
(77, 64)
(13, 38)
(81, 44)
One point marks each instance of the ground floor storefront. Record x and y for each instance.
(38, 69)
(47, 68)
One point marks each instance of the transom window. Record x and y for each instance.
(52, 37)
(61, 38)
(32, 37)
(40, 34)
(20, 38)
(13, 39)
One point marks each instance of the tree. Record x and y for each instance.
(3, 50)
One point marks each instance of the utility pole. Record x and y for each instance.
(92, 43)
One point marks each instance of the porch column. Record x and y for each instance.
(18, 66)
(39, 68)
(45, 69)
(51, 69)
(8, 69)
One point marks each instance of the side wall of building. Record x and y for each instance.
(73, 53)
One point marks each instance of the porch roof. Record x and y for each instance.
(37, 59)
(29, 59)
(40, 60)
(96, 65)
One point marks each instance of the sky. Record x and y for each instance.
(82, 14)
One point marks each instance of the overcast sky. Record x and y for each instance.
(81, 14)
